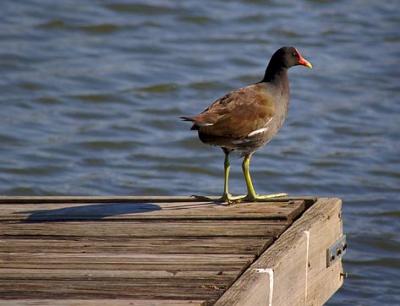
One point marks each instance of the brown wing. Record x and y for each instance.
(238, 113)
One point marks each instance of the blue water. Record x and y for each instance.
(91, 92)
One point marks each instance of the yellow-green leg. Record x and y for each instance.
(226, 196)
(251, 193)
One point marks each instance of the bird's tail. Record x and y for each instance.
(191, 119)
(184, 118)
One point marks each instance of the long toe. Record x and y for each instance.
(230, 199)
(225, 198)
(264, 197)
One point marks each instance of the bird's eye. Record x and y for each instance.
(294, 54)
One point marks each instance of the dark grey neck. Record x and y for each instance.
(276, 74)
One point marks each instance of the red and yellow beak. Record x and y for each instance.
(304, 62)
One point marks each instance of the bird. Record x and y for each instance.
(247, 118)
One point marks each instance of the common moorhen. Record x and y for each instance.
(247, 118)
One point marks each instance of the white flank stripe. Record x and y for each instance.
(262, 130)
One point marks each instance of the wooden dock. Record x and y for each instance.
(147, 251)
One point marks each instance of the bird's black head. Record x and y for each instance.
(283, 59)
(288, 57)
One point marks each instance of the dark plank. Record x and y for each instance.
(101, 302)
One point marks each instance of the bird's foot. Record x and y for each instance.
(264, 197)
(225, 198)
(230, 199)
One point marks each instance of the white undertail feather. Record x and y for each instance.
(204, 124)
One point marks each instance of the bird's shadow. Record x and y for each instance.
(90, 212)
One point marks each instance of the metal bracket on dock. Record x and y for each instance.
(336, 251)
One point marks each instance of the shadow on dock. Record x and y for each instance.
(88, 212)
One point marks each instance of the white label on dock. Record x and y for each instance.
(271, 282)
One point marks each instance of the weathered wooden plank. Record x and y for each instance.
(100, 302)
(200, 245)
(137, 211)
(243, 228)
(123, 258)
(21, 289)
(221, 267)
(120, 199)
(173, 263)
(182, 282)
(95, 199)
(132, 275)
(286, 260)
